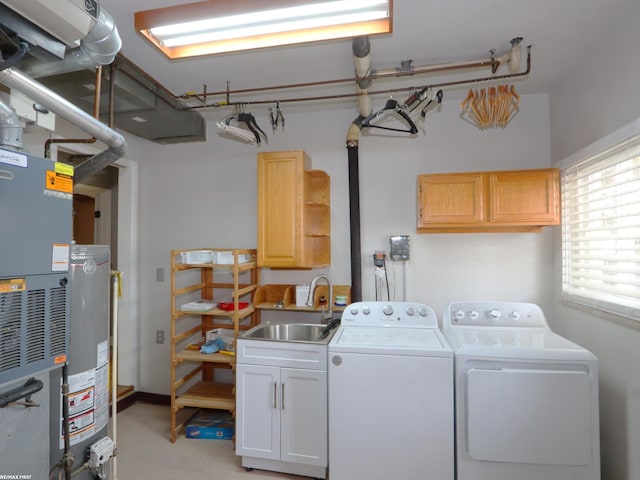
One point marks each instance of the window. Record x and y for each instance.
(601, 231)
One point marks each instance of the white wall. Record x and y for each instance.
(204, 195)
(596, 101)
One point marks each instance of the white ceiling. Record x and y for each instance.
(562, 34)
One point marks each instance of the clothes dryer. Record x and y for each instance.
(526, 397)
(390, 395)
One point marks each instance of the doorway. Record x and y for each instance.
(95, 218)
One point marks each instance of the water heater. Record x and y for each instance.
(88, 368)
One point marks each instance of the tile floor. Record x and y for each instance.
(145, 451)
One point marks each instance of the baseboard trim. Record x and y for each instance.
(144, 397)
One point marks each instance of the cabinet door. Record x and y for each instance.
(280, 205)
(304, 416)
(525, 197)
(258, 410)
(451, 199)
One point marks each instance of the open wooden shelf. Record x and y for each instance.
(208, 394)
(268, 297)
(194, 381)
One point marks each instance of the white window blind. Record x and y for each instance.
(601, 231)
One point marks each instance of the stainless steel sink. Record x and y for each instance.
(289, 332)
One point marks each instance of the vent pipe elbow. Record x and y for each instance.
(353, 134)
(99, 47)
(102, 43)
(10, 128)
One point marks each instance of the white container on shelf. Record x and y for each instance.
(196, 256)
(302, 292)
(226, 258)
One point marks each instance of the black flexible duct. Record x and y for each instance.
(30, 387)
(354, 222)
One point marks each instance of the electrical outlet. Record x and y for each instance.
(159, 274)
(378, 258)
(159, 337)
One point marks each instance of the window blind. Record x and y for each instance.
(601, 231)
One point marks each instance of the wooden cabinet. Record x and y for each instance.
(291, 425)
(518, 200)
(294, 212)
(281, 418)
(195, 278)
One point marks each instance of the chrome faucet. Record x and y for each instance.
(326, 318)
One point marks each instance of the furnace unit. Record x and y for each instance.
(35, 237)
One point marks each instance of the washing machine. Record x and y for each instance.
(390, 395)
(526, 398)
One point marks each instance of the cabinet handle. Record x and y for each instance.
(275, 395)
(282, 400)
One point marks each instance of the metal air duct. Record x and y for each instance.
(139, 104)
(40, 94)
(99, 46)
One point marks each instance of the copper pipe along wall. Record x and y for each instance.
(96, 115)
(388, 73)
(375, 92)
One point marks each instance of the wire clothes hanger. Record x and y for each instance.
(249, 121)
(399, 110)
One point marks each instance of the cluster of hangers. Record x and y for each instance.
(488, 107)
(424, 98)
(243, 124)
(491, 107)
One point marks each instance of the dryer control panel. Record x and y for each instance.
(494, 314)
(397, 314)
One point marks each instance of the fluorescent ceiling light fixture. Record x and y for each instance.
(220, 26)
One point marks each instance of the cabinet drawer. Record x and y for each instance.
(282, 354)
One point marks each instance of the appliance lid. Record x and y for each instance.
(514, 343)
(390, 340)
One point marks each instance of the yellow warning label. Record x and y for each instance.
(64, 168)
(59, 182)
(12, 285)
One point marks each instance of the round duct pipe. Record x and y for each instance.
(362, 58)
(40, 94)
(10, 128)
(354, 222)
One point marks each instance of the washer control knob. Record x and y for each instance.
(515, 315)
(423, 312)
(458, 315)
(354, 310)
(366, 310)
(411, 311)
(473, 315)
(387, 310)
(493, 314)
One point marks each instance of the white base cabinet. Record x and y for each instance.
(281, 412)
